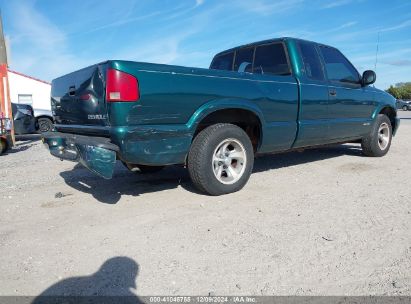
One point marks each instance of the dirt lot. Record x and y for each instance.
(322, 222)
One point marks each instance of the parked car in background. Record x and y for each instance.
(5, 137)
(23, 118)
(25, 89)
(269, 96)
(405, 105)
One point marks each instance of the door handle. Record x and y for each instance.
(333, 93)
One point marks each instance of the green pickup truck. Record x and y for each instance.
(264, 97)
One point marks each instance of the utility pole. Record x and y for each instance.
(5, 104)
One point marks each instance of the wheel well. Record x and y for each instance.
(391, 113)
(245, 119)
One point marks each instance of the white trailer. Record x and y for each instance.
(35, 92)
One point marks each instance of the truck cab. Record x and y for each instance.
(336, 103)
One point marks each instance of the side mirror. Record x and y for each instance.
(368, 77)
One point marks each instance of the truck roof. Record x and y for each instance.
(268, 41)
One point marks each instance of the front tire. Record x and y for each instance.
(221, 159)
(405, 108)
(378, 142)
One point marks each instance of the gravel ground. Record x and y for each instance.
(322, 222)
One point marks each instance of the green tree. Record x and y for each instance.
(394, 92)
(401, 90)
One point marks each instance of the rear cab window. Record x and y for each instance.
(223, 62)
(244, 60)
(271, 59)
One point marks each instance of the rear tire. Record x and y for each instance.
(378, 142)
(45, 125)
(221, 159)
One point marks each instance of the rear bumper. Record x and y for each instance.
(152, 145)
(97, 154)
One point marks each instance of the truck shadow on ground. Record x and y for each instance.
(112, 283)
(295, 158)
(127, 183)
(123, 182)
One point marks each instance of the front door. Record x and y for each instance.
(350, 104)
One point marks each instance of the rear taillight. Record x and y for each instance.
(121, 86)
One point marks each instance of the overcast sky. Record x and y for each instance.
(48, 38)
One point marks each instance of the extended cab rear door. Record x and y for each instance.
(313, 113)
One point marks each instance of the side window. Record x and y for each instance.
(312, 64)
(223, 62)
(338, 67)
(271, 59)
(244, 60)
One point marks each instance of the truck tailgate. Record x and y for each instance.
(78, 98)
